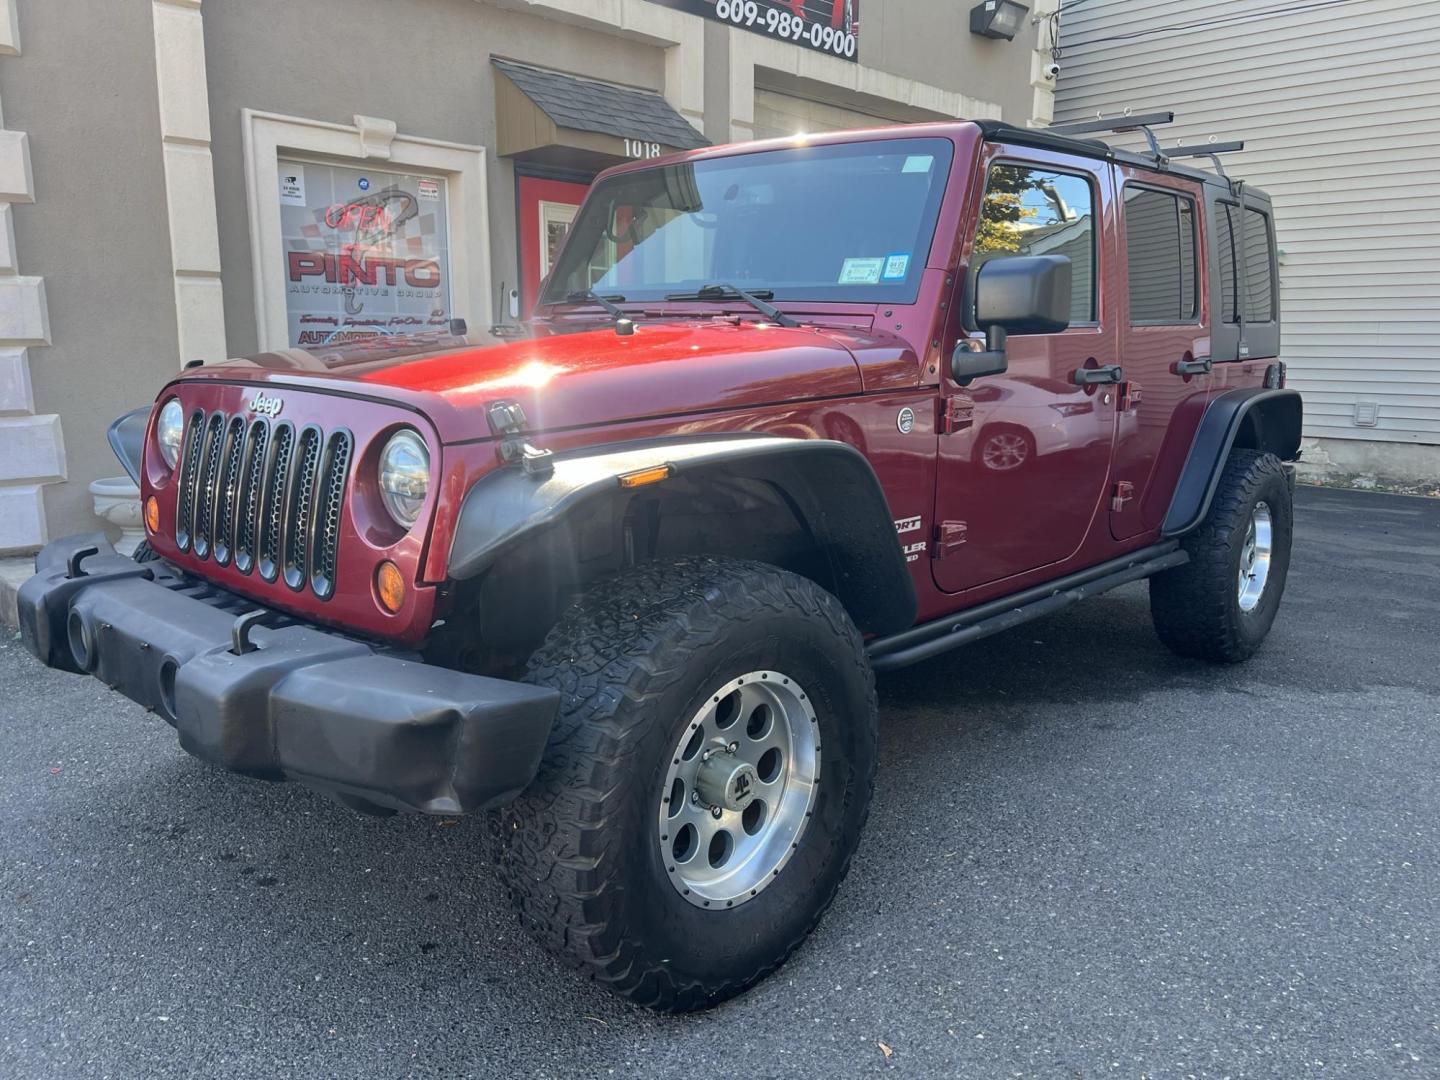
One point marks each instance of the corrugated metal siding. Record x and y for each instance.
(1340, 110)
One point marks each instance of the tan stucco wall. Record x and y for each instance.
(930, 41)
(434, 79)
(83, 88)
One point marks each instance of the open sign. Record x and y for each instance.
(368, 215)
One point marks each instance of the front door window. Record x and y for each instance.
(1034, 211)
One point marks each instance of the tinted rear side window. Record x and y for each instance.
(1259, 279)
(1161, 257)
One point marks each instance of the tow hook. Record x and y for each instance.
(507, 419)
(240, 642)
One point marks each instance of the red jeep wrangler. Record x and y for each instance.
(789, 414)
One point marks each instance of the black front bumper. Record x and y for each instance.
(284, 702)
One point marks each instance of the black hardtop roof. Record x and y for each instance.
(1000, 131)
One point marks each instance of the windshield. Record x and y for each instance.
(851, 222)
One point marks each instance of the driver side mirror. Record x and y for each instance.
(1024, 294)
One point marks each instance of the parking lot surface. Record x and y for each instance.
(1086, 858)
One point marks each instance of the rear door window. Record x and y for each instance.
(1161, 255)
(1259, 273)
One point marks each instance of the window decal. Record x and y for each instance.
(366, 253)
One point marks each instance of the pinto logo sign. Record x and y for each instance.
(266, 406)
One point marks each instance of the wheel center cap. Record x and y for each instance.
(725, 780)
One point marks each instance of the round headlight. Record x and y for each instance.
(170, 431)
(404, 476)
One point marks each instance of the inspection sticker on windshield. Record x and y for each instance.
(918, 163)
(896, 266)
(861, 271)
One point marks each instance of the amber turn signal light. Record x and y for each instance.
(389, 586)
(152, 514)
(641, 477)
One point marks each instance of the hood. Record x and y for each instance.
(576, 380)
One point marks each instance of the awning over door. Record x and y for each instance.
(547, 118)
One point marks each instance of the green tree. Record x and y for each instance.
(1004, 210)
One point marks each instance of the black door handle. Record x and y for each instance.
(1107, 373)
(1201, 365)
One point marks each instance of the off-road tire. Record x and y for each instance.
(1196, 607)
(633, 660)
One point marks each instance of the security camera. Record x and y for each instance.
(1051, 70)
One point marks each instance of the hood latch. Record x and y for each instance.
(507, 420)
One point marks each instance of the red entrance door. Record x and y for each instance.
(547, 208)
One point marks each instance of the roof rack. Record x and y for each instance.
(1144, 122)
(1137, 122)
(1206, 150)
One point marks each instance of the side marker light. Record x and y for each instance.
(641, 477)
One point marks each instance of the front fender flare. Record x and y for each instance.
(127, 438)
(829, 485)
(1268, 419)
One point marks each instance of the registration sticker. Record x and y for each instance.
(896, 266)
(918, 163)
(861, 271)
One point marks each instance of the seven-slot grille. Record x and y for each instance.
(263, 496)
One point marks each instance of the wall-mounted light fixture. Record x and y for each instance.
(998, 18)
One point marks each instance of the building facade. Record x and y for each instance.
(185, 181)
(1338, 105)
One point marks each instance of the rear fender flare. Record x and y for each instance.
(1259, 419)
(829, 485)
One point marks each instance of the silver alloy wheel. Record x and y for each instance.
(739, 790)
(1255, 557)
(1005, 450)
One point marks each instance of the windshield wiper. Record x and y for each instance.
(724, 291)
(624, 325)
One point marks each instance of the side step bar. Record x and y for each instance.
(932, 638)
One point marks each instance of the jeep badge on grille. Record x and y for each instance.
(269, 406)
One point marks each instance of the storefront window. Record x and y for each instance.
(366, 251)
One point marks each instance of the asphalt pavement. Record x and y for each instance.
(1086, 858)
